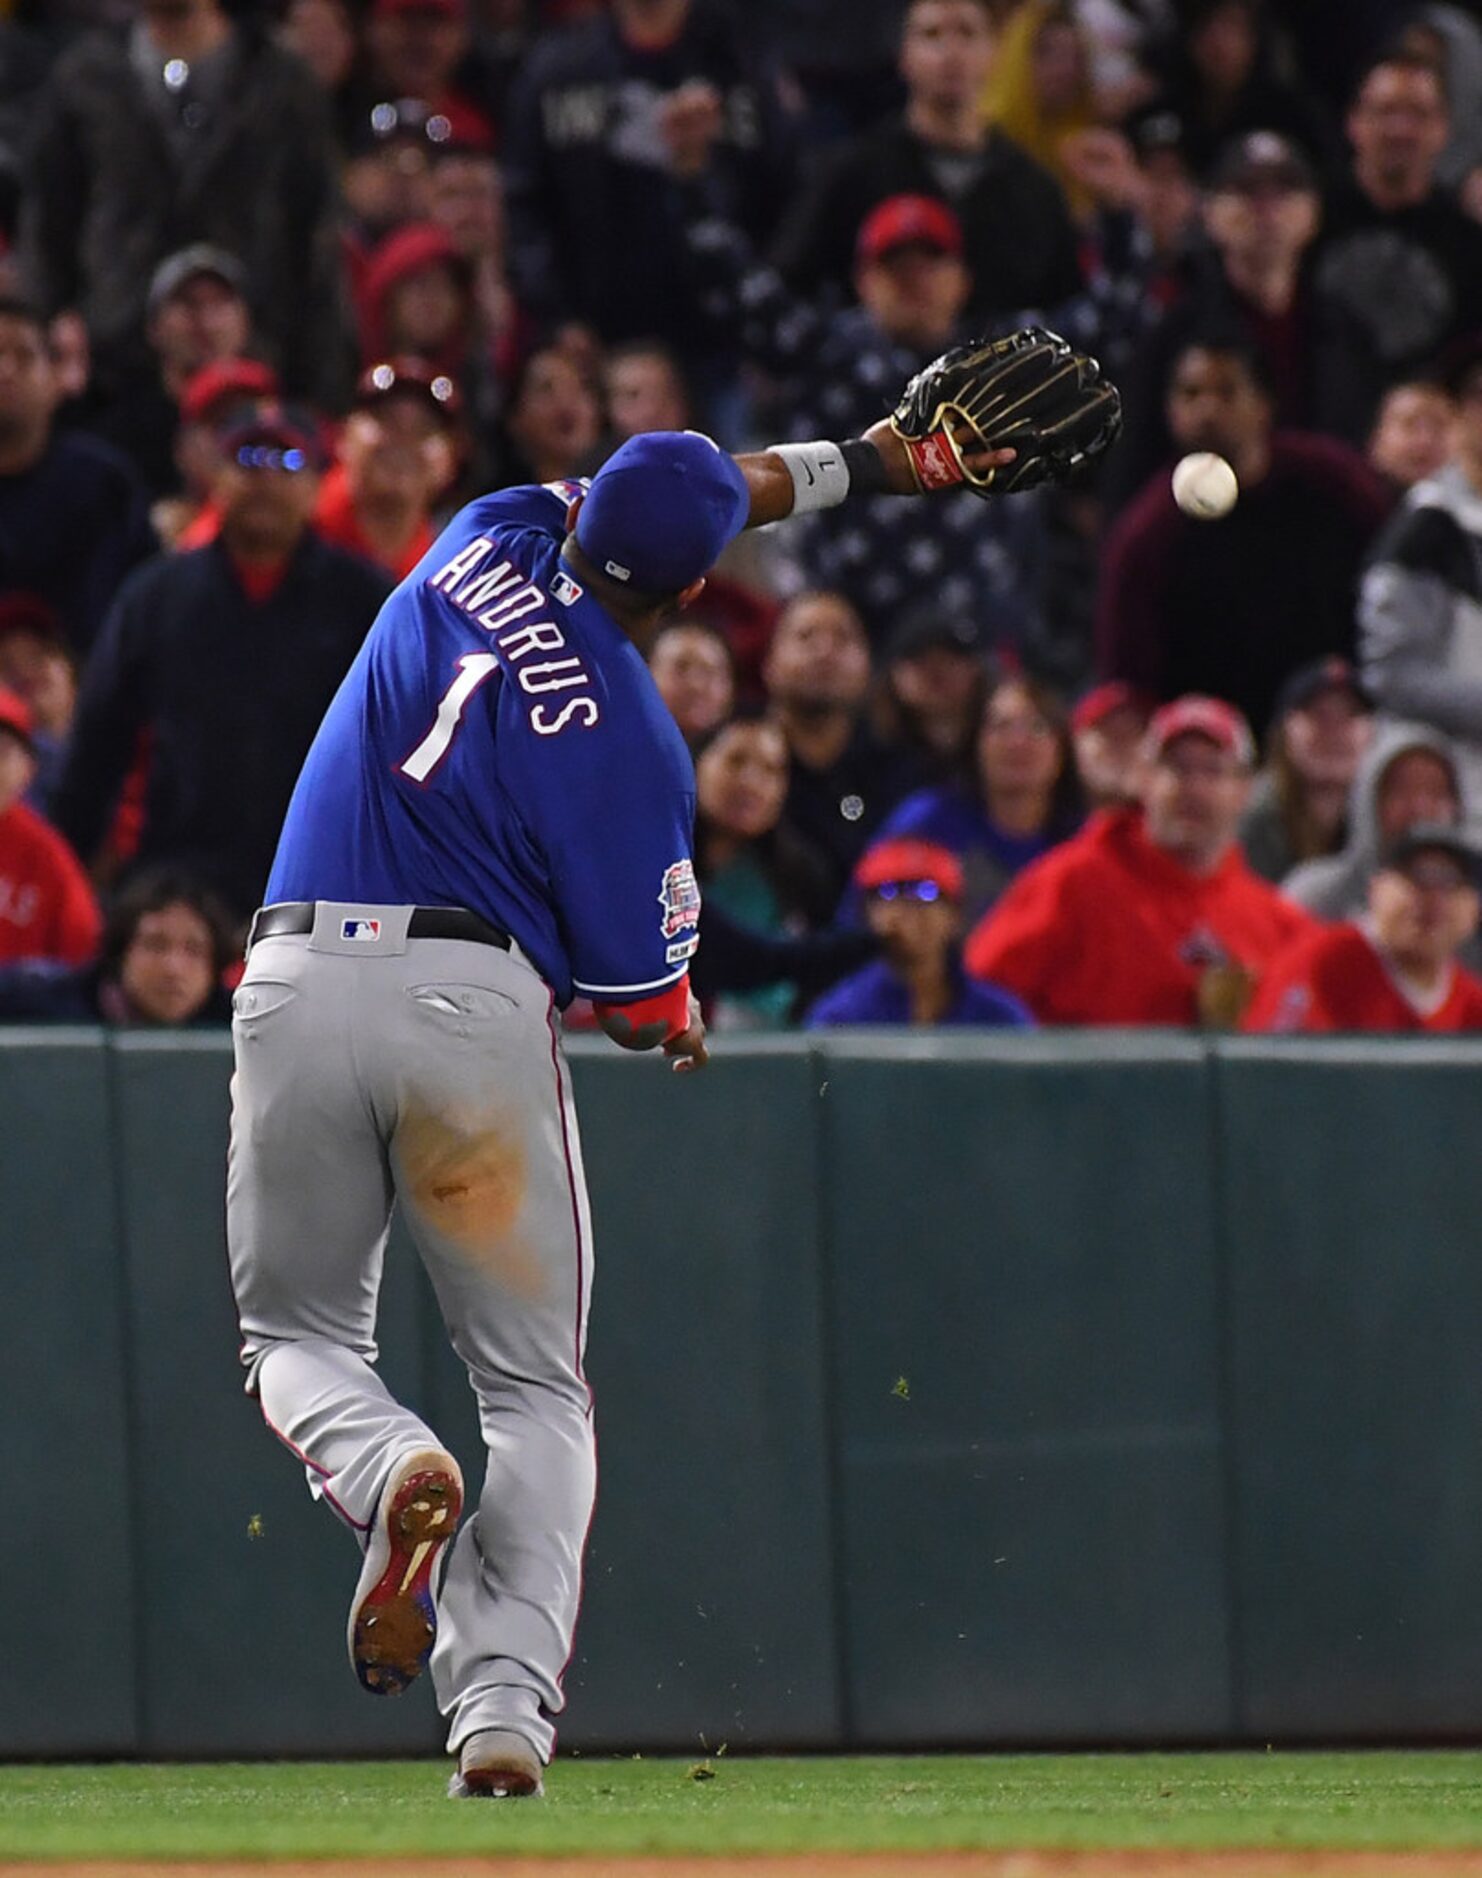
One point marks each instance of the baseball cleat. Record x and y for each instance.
(393, 1618)
(494, 1765)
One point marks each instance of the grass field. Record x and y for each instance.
(865, 1803)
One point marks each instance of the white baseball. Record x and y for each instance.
(1204, 485)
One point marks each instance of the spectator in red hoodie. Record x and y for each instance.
(47, 909)
(1395, 968)
(419, 297)
(398, 453)
(1150, 915)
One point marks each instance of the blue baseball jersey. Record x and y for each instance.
(498, 744)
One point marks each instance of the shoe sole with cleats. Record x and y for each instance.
(393, 1619)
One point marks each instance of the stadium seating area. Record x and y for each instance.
(284, 284)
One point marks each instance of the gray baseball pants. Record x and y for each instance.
(373, 1070)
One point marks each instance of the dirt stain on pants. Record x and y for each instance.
(465, 1176)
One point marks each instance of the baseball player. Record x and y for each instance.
(495, 817)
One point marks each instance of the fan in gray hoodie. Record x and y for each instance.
(1387, 798)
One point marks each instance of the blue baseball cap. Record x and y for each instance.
(661, 509)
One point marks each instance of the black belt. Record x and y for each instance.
(427, 922)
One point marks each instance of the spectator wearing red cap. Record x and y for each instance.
(73, 518)
(912, 893)
(835, 370)
(1018, 239)
(622, 128)
(1107, 729)
(187, 126)
(1396, 967)
(1150, 915)
(228, 656)
(213, 394)
(36, 665)
(47, 909)
(1298, 810)
(398, 453)
(1022, 799)
(1231, 607)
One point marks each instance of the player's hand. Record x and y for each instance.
(898, 463)
(688, 1050)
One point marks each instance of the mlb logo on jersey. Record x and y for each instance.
(679, 897)
(366, 929)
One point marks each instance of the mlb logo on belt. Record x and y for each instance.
(368, 929)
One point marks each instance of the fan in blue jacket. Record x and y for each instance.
(912, 893)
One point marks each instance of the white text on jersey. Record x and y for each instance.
(503, 602)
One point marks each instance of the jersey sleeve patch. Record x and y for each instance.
(679, 902)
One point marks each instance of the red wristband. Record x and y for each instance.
(671, 1007)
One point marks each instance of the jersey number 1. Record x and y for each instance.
(473, 669)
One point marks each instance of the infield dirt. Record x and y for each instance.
(1231, 1862)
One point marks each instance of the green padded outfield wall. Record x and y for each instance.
(1353, 1183)
(66, 1411)
(1028, 1415)
(966, 1389)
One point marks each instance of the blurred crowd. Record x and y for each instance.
(282, 285)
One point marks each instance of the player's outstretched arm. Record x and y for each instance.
(995, 416)
(876, 464)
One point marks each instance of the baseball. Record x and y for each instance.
(1204, 485)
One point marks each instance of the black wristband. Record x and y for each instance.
(866, 467)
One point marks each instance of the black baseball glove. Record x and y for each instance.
(1031, 392)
